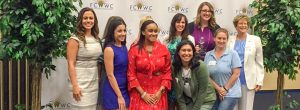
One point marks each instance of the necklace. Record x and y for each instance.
(149, 49)
(186, 73)
(149, 52)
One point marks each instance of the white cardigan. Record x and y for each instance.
(253, 60)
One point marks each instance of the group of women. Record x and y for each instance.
(196, 67)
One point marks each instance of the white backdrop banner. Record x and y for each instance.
(55, 89)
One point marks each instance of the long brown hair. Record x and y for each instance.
(212, 21)
(80, 29)
(172, 33)
(112, 23)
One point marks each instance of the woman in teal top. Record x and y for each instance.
(193, 90)
(178, 31)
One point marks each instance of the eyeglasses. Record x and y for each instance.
(206, 11)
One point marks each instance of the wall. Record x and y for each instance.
(55, 88)
(270, 82)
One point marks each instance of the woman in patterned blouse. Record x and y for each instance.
(149, 71)
(178, 31)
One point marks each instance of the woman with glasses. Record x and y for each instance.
(203, 28)
(193, 90)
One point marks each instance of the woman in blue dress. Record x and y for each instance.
(114, 92)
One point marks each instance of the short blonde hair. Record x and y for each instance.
(238, 17)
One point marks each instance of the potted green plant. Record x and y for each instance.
(36, 30)
(277, 23)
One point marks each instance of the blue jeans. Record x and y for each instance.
(227, 104)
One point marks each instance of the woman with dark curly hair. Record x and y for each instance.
(193, 90)
(178, 31)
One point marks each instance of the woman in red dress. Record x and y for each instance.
(149, 71)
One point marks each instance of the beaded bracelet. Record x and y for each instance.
(225, 88)
(143, 95)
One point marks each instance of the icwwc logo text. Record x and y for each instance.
(140, 8)
(178, 9)
(105, 6)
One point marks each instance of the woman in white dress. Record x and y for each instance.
(83, 50)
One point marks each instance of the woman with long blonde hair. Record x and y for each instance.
(203, 29)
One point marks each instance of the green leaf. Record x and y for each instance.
(284, 2)
(36, 29)
(277, 23)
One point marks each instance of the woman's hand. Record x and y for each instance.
(76, 93)
(221, 98)
(257, 88)
(121, 103)
(148, 99)
(157, 96)
(197, 48)
(221, 91)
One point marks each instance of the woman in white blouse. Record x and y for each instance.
(250, 52)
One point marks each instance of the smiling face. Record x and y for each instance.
(151, 32)
(180, 25)
(186, 53)
(120, 33)
(205, 13)
(221, 40)
(88, 20)
(242, 26)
